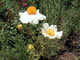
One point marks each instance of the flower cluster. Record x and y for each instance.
(32, 16)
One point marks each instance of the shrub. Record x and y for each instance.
(14, 42)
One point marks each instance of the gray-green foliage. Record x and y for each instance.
(63, 13)
(13, 42)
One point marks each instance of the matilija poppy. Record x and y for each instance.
(32, 16)
(51, 31)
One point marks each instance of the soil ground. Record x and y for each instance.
(70, 50)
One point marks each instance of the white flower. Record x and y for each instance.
(31, 16)
(51, 31)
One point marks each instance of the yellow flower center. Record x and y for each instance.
(30, 46)
(50, 32)
(19, 26)
(31, 10)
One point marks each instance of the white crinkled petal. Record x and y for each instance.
(54, 27)
(43, 32)
(24, 18)
(59, 34)
(52, 37)
(35, 21)
(31, 18)
(21, 14)
(46, 25)
(40, 16)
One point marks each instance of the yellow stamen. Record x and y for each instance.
(50, 32)
(31, 10)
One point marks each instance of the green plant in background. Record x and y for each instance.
(14, 42)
